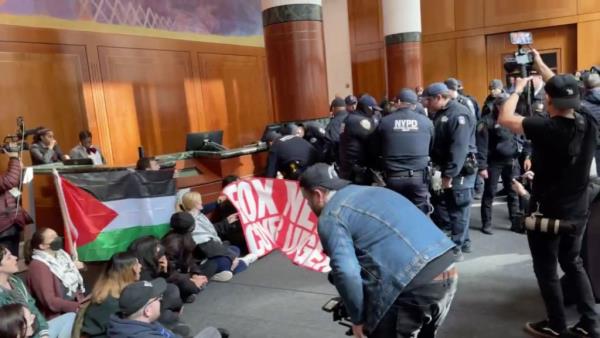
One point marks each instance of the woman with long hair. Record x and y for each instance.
(53, 278)
(16, 321)
(44, 149)
(122, 270)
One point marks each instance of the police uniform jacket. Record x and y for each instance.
(354, 142)
(288, 149)
(404, 139)
(454, 138)
(495, 144)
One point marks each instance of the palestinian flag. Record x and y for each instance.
(105, 211)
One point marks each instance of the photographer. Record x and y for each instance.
(563, 147)
(12, 217)
(394, 269)
(45, 150)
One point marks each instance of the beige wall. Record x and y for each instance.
(337, 47)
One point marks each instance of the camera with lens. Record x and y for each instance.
(17, 143)
(521, 62)
(336, 307)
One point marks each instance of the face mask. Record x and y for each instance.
(57, 244)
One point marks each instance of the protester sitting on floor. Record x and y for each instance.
(16, 321)
(179, 249)
(122, 270)
(151, 255)
(224, 208)
(12, 290)
(140, 308)
(53, 276)
(206, 236)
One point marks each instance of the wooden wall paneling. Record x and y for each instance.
(233, 96)
(588, 44)
(366, 21)
(471, 65)
(439, 60)
(561, 38)
(98, 119)
(499, 12)
(588, 6)
(437, 16)
(368, 72)
(46, 84)
(147, 100)
(468, 14)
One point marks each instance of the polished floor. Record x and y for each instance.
(497, 293)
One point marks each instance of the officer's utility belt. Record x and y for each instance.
(537, 222)
(406, 173)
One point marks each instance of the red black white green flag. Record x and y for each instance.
(105, 211)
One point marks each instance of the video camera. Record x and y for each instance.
(336, 307)
(520, 64)
(17, 142)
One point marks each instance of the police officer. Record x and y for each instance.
(496, 88)
(461, 91)
(404, 139)
(355, 139)
(314, 133)
(454, 154)
(334, 129)
(453, 87)
(290, 154)
(497, 151)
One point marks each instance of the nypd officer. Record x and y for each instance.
(290, 154)
(497, 151)
(404, 139)
(454, 154)
(334, 128)
(453, 88)
(355, 140)
(314, 133)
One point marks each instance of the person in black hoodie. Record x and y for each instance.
(151, 255)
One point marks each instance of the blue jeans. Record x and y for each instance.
(61, 326)
(224, 263)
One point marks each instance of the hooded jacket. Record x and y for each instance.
(127, 328)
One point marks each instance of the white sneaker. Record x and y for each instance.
(223, 276)
(249, 259)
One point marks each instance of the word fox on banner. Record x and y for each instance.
(275, 215)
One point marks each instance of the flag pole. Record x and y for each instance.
(67, 223)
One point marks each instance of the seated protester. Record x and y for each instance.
(206, 236)
(224, 208)
(147, 163)
(44, 149)
(179, 250)
(53, 277)
(139, 311)
(85, 149)
(122, 270)
(290, 154)
(151, 255)
(13, 291)
(16, 321)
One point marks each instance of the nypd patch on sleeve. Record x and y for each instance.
(461, 120)
(365, 123)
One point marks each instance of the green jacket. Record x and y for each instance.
(19, 294)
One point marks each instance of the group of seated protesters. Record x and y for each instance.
(140, 292)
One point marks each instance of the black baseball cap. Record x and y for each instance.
(136, 295)
(322, 175)
(182, 222)
(452, 83)
(564, 91)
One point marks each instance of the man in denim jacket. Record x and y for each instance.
(393, 268)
